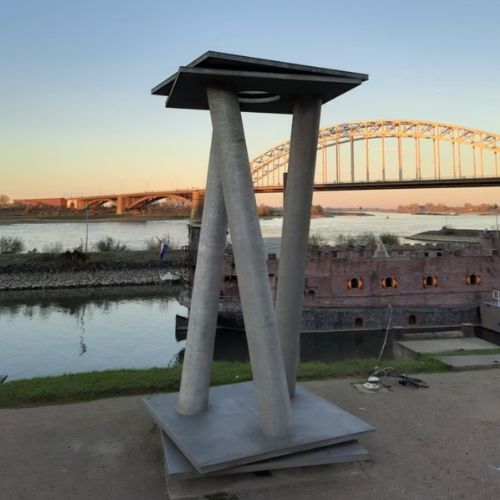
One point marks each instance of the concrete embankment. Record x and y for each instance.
(449, 235)
(50, 272)
(78, 279)
(443, 238)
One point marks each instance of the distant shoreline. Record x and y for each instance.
(6, 220)
(61, 219)
(449, 235)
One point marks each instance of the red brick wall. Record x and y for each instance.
(52, 202)
(328, 272)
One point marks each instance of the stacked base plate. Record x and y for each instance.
(227, 438)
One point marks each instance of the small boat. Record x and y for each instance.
(171, 277)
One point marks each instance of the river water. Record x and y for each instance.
(54, 332)
(134, 234)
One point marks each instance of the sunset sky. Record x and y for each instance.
(77, 116)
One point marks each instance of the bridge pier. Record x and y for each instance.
(119, 205)
(122, 203)
(197, 201)
(78, 203)
(295, 233)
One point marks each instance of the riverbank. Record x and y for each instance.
(84, 218)
(42, 271)
(450, 235)
(71, 388)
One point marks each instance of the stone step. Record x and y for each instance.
(415, 348)
(472, 362)
(450, 334)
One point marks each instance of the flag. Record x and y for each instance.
(162, 249)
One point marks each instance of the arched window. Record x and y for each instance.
(412, 319)
(354, 283)
(358, 323)
(311, 295)
(473, 279)
(389, 283)
(430, 281)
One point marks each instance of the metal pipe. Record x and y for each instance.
(400, 158)
(337, 152)
(383, 157)
(454, 160)
(352, 158)
(460, 159)
(367, 155)
(434, 161)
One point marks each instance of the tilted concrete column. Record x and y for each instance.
(197, 365)
(271, 393)
(295, 235)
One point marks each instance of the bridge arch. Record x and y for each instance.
(97, 203)
(141, 203)
(363, 150)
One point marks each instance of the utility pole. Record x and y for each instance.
(87, 209)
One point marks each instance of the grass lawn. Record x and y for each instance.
(72, 388)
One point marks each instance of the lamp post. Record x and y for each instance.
(87, 208)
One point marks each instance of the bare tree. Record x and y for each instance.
(4, 199)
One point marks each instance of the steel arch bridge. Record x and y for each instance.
(385, 154)
(371, 154)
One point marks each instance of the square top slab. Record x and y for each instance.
(263, 86)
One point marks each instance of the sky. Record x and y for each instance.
(77, 116)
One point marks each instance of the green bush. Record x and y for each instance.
(317, 240)
(76, 256)
(109, 244)
(317, 210)
(366, 239)
(11, 244)
(390, 239)
(56, 247)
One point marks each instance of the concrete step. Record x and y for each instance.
(415, 348)
(450, 334)
(472, 362)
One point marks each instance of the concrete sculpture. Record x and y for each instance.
(224, 427)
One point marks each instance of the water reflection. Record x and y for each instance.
(314, 346)
(83, 346)
(54, 332)
(69, 331)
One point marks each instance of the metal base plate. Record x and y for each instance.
(228, 433)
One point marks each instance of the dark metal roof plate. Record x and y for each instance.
(263, 86)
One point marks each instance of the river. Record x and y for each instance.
(135, 234)
(55, 332)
